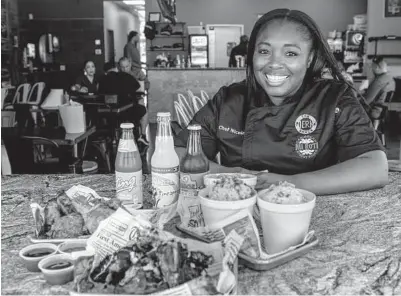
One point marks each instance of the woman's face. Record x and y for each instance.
(281, 58)
(90, 68)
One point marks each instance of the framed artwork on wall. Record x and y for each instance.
(392, 8)
(154, 16)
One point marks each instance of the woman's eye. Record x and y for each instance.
(264, 51)
(292, 54)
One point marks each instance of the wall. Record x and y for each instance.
(329, 14)
(378, 25)
(121, 22)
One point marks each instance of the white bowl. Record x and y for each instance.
(216, 210)
(248, 179)
(285, 225)
(31, 263)
(68, 247)
(57, 276)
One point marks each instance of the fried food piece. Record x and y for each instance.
(70, 226)
(65, 204)
(95, 216)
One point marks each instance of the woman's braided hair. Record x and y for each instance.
(323, 57)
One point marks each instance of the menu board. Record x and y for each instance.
(199, 49)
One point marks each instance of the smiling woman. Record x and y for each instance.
(300, 128)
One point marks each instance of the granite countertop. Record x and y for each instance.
(359, 234)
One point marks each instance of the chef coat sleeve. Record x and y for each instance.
(206, 117)
(354, 131)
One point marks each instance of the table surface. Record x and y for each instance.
(359, 233)
(58, 135)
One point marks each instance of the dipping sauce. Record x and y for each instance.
(74, 249)
(58, 265)
(38, 253)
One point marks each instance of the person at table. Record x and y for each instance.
(377, 91)
(87, 83)
(118, 81)
(239, 50)
(286, 123)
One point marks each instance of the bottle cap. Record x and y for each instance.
(127, 125)
(163, 114)
(194, 127)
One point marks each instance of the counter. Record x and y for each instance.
(168, 84)
(359, 234)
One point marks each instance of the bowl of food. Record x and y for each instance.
(32, 254)
(248, 179)
(225, 197)
(71, 246)
(285, 214)
(57, 269)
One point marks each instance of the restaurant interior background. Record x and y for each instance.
(49, 40)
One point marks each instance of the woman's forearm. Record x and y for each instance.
(214, 167)
(367, 171)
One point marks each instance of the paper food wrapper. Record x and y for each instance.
(245, 225)
(73, 193)
(122, 227)
(158, 217)
(190, 211)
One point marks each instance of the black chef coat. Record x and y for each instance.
(321, 125)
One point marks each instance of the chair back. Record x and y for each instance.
(21, 93)
(186, 108)
(35, 100)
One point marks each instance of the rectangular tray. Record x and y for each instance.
(55, 240)
(261, 265)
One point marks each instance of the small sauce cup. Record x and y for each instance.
(69, 247)
(32, 254)
(57, 269)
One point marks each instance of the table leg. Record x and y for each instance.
(395, 165)
(75, 151)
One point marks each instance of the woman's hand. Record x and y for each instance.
(265, 179)
(83, 90)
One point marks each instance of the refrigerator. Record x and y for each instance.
(198, 50)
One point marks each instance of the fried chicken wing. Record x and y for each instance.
(70, 226)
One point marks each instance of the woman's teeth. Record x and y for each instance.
(274, 78)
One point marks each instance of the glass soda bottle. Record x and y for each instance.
(165, 165)
(194, 165)
(128, 167)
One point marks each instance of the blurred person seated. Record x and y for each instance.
(87, 83)
(119, 82)
(381, 84)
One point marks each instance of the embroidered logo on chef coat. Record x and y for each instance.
(306, 146)
(305, 124)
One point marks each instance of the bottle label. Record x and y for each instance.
(189, 206)
(190, 184)
(129, 188)
(165, 186)
(127, 145)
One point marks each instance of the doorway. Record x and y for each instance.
(111, 52)
(221, 40)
